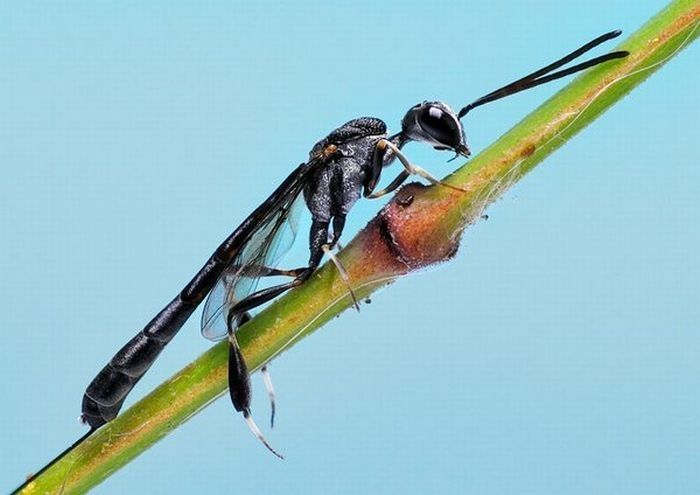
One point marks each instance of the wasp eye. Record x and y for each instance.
(442, 126)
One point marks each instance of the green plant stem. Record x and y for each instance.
(419, 227)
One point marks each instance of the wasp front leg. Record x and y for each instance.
(384, 145)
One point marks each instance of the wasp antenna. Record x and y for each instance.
(256, 431)
(267, 379)
(543, 75)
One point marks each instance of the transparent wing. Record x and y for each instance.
(265, 249)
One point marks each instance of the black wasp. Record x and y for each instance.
(343, 166)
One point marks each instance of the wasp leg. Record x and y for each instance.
(338, 225)
(400, 179)
(239, 380)
(267, 379)
(265, 271)
(239, 386)
(256, 431)
(318, 237)
(238, 377)
(262, 296)
(379, 159)
(343, 274)
(415, 169)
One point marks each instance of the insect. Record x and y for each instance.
(342, 167)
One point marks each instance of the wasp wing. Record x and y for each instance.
(265, 249)
(271, 239)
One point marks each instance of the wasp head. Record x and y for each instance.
(436, 124)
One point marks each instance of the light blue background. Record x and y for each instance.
(558, 353)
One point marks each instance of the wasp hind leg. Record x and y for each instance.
(256, 431)
(240, 390)
(317, 238)
(267, 379)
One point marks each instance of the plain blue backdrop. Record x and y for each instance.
(558, 353)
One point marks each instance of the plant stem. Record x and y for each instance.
(420, 226)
